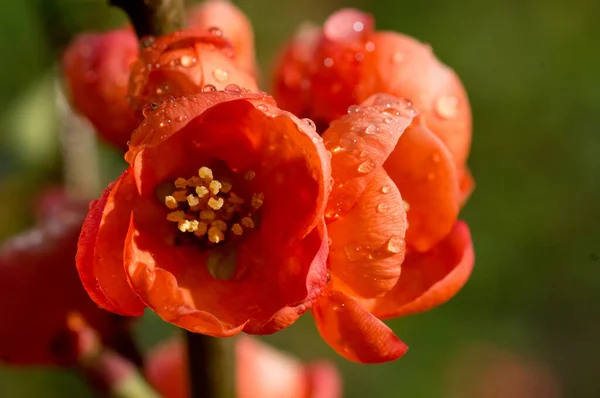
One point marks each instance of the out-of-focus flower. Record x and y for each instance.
(489, 372)
(183, 63)
(261, 372)
(322, 72)
(396, 247)
(42, 302)
(96, 69)
(233, 24)
(217, 225)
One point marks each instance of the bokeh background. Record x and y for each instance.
(527, 325)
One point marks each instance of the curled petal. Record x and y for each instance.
(367, 245)
(431, 278)
(412, 71)
(232, 23)
(184, 63)
(100, 250)
(424, 171)
(360, 143)
(96, 68)
(354, 332)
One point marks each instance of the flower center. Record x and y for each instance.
(209, 209)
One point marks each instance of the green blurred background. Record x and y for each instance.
(528, 322)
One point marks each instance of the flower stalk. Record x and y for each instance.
(153, 17)
(211, 366)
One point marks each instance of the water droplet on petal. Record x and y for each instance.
(366, 167)
(371, 129)
(215, 31)
(220, 74)
(181, 118)
(358, 26)
(436, 158)
(310, 123)
(328, 277)
(397, 57)
(353, 109)
(382, 207)
(328, 62)
(386, 189)
(395, 244)
(233, 88)
(405, 205)
(370, 46)
(187, 60)
(359, 56)
(208, 88)
(446, 107)
(348, 141)
(388, 120)
(262, 107)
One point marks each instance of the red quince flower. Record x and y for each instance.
(42, 301)
(183, 63)
(96, 69)
(232, 23)
(396, 247)
(324, 71)
(261, 372)
(217, 225)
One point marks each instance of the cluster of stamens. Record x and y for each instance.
(209, 208)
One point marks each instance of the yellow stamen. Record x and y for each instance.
(237, 229)
(226, 187)
(201, 191)
(202, 228)
(236, 200)
(170, 202)
(176, 216)
(215, 235)
(180, 183)
(257, 200)
(222, 225)
(214, 187)
(206, 173)
(216, 203)
(249, 175)
(192, 200)
(193, 182)
(180, 196)
(247, 222)
(207, 215)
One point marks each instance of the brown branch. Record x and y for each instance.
(153, 17)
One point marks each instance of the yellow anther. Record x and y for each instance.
(237, 229)
(188, 225)
(215, 235)
(236, 200)
(180, 183)
(201, 191)
(206, 173)
(257, 200)
(214, 187)
(222, 225)
(193, 182)
(247, 222)
(180, 196)
(249, 175)
(202, 228)
(176, 216)
(193, 200)
(207, 215)
(215, 203)
(225, 187)
(170, 202)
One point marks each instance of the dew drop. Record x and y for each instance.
(181, 118)
(262, 107)
(366, 167)
(147, 41)
(446, 107)
(359, 56)
(233, 88)
(309, 123)
(358, 26)
(220, 74)
(385, 189)
(397, 57)
(187, 60)
(388, 120)
(382, 208)
(328, 62)
(371, 129)
(353, 109)
(354, 252)
(405, 205)
(328, 277)
(208, 88)
(436, 158)
(395, 244)
(348, 141)
(370, 46)
(215, 31)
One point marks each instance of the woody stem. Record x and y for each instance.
(211, 366)
(153, 17)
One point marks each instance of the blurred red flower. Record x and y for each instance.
(42, 302)
(217, 225)
(387, 177)
(323, 71)
(261, 372)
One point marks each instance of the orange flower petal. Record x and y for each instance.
(100, 249)
(467, 185)
(232, 24)
(432, 278)
(367, 244)
(409, 69)
(353, 332)
(96, 68)
(184, 63)
(360, 143)
(424, 171)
